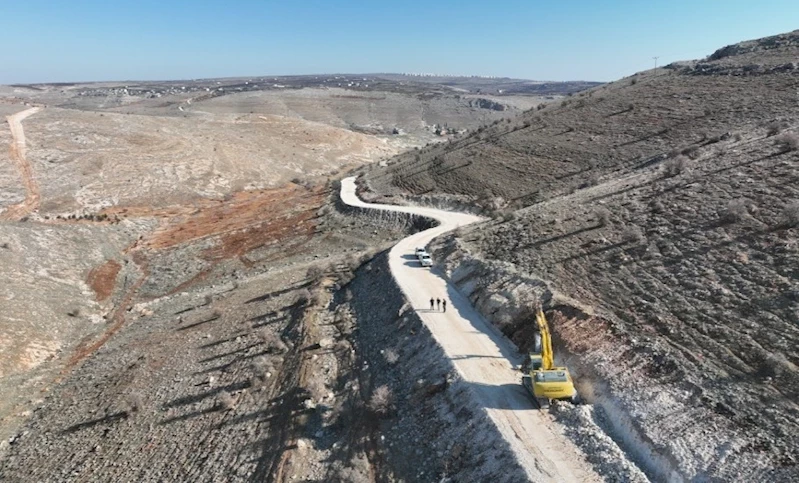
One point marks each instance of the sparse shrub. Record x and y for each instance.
(133, 403)
(272, 341)
(632, 234)
(5, 246)
(314, 273)
(775, 127)
(602, 216)
(225, 401)
(787, 141)
(262, 370)
(75, 312)
(303, 297)
(692, 152)
(790, 214)
(381, 401)
(735, 211)
(591, 180)
(391, 356)
(674, 166)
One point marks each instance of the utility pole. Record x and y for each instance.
(656, 61)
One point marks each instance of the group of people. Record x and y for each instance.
(438, 304)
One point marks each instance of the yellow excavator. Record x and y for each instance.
(545, 381)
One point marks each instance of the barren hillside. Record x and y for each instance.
(659, 220)
(173, 277)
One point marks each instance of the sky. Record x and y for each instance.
(598, 40)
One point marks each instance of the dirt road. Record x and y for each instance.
(483, 357)
(17, 155)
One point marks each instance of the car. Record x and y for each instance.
(420, 251)
(426, 260)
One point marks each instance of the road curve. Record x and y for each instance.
(482, 356)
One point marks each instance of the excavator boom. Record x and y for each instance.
(545, 381)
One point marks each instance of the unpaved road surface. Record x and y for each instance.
(18, 148)
(482, 356)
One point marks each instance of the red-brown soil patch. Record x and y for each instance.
(102, 279)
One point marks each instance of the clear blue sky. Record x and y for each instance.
(84, 40)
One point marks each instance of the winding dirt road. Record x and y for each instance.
(17, 154)
(482, 356)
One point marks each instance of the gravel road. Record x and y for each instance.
(484, 358)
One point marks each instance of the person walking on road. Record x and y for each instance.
(431, 303)
(438, 304)
(444, 305)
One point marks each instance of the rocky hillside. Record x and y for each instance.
(611, 130)
(661, 213)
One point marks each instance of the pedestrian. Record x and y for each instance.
(438, 304)
(431, 303)
(444, 304)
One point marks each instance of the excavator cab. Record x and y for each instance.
(545, 381)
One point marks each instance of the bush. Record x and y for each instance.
(790, 214)
(262, 370)
(692, 152)
(272, 341)
(391, 356)
(133, 403)
(787, 141)
(775, 127)
(675, 166)
(225, 401)
(632, 234)
(381, 401)
(314, 273)
(602, 215)
(735, 211)
(303, 297)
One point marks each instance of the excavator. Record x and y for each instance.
(546, 382)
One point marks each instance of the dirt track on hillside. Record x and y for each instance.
(482, 356)
(17, 154)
